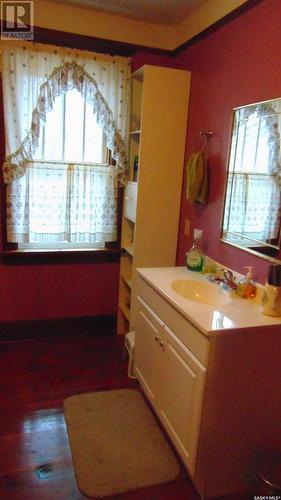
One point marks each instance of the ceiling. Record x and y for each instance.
(165, 12)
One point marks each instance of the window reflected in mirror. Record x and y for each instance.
(252, 201)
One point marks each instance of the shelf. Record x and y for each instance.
(125, 310)
(133, 221)
(150, 224)
(138, 75)
(129, 249)
(127, 281)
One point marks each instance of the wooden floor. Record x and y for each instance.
(36, 376)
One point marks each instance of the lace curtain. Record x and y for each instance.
(61, 202)
(253, 205)
(54, 203)
(253, 192)
(34, 74)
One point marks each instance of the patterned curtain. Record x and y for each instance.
(34, 74)
(253, 206)
(253, 191)
(53, 202)
(58, 203)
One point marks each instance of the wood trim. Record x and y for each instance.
(2, 186)
(84, 42)
(83, 256)
(4, 245)
(60, 327)
(218, 24)
(93, 44)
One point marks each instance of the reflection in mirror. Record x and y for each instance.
(252, 202)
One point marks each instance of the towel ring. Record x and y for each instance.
(202, 140)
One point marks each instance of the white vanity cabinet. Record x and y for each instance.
(181, 397)
(171, 376)
(150, 347)
(212, 375)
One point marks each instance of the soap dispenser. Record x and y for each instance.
(194, 258)
(246, 287)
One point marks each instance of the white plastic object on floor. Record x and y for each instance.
(130, 346)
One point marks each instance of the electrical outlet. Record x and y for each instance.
(187, 227)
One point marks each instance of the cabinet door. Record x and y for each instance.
(181, 398)
(149, 351)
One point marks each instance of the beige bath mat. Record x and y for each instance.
(116, 443)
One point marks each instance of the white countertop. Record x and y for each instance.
(239, 313)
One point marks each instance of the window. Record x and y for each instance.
(252, 205)
(66, 203)
(71, 132)
(68, 195)
(66, 115)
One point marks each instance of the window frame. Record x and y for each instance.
(9, 252)
(268, 250)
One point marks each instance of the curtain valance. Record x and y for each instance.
(35, 74)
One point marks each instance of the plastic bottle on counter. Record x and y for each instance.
(246, 287)
(271, 301)
(194, 257)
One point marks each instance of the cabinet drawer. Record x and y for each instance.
(130, 201)
(192, 338)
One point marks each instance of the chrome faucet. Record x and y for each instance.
(227, 279)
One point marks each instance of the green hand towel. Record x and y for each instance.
(203, 193)
(196, 178)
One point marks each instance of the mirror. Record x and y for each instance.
(252, 201)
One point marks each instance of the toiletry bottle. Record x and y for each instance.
(194, 258)
(209, 266)
(246, 286)
(271, 301)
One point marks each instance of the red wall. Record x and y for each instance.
(236, 65)
(52, 291)
(141, 58)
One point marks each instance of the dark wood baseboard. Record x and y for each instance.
(60, 327)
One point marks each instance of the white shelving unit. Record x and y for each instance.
(151, 207)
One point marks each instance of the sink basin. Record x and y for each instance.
(201, 291)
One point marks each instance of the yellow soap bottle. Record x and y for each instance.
(246, 287)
